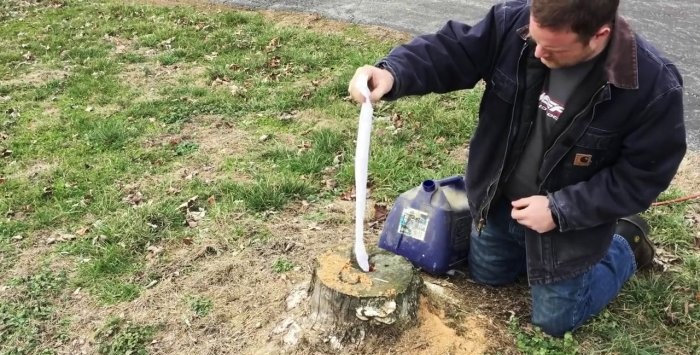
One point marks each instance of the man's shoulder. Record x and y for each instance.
(651, 60)
(511, 15)
(513, 7)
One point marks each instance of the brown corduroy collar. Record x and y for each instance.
(620, 64)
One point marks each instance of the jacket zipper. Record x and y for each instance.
(483, 214)
(567, 131)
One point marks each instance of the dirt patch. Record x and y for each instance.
(315, 119)
(50, 117)
(36, 77)
(688, 177)
(433, 336)
(152, 77)
(33, 170)
(121, 45)
(27, 262)
(216, 138)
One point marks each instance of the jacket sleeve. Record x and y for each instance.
(650, 156)
(454, 58)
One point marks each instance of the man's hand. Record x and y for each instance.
(533, 212)
(379, 81)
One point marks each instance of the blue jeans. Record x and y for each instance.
(497, 257)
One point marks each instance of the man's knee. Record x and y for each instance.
(492, 272)
(563, 306)
(493, 262)
(554, 325)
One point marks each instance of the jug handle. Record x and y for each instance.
(450, 180)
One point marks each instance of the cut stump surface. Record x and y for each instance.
(346, 302)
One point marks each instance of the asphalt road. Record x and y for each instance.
(670, 24)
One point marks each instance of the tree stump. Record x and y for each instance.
(347, 303)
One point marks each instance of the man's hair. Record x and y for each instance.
(583, 17)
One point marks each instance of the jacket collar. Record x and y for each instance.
(620, 65)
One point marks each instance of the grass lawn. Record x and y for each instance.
(168, 172)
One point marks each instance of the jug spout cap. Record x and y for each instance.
(428, 185)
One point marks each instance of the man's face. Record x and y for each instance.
(559, 48)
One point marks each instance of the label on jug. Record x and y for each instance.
(413, 223)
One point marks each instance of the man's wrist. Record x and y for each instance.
(555, 218)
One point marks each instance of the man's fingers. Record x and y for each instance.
(379, 88)
(521, 203)
(378, 81)
(517, 214)
(361, 74)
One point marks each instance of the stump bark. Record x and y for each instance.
(347, 303)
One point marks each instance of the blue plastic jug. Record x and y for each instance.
(430, 225)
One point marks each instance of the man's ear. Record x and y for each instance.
(603, 31)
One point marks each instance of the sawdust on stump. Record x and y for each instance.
(347, 303)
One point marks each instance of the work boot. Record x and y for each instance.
(635, 230)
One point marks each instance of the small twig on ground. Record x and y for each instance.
(676, 200)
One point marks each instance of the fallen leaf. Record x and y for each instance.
(66, 237)
(134, 198)
(665, 259)
(219, 81)
(288, 116)
(348, 195)
(272, 45)
(396, 120)
(197, 215)
(2, 180)
(154, 250)
(193, 217)
(206, 250)
(697, 241)
(211, 200)
(189, 204)
(670, 317)
(380, 212)
(237, 90)
(62, 237)
(304, 146)
(82, 231)
(697, 296)
(5, 153)
(330, 184)
(273, 62)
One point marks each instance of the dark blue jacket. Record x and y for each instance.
(629, 126)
